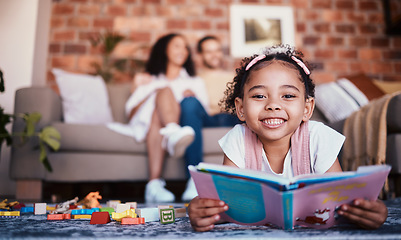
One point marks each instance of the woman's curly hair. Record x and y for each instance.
(281, 54)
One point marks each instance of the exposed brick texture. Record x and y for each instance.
(340, 37)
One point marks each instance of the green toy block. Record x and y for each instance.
(167, 215)
(107, 209)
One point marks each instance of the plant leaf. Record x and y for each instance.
(2, 88)
(30, 120)
(43, 153)
(43, 157)
(51, 137)
(4, 134)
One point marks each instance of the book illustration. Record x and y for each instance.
(320, 217)
(256, 201)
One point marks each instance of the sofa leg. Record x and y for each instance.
(29, 190)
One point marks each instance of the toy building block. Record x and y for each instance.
(50, 208)
(122, 207)
(133, 205)
(100, 218)
(180, 212)
(132, 221)
(113, 203)
(55, 216)
(27, 209)
(150, 214)
(81, 216)
(18, 206)
(59, 216)
(167, 216)
(84, 211)
(39, 208)
(130, 213)
(110, 210)
(9, 214)
(164, 206)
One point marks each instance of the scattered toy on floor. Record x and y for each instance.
(65, 206)
(7, 206)
(91, 200)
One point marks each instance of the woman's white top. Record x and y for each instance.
(325, 145)
(139, 124)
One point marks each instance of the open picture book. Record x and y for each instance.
(259, 198)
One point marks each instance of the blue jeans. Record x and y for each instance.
(194, 115)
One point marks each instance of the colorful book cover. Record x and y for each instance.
(255, 198)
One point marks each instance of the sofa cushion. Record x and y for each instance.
(211, 136)
(118, 96)
(95, 138)
(84, 98)
(99, 138)
(366, 85)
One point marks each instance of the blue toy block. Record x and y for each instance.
(26, 210)
(84, 211)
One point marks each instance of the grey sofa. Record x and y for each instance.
(89, 153)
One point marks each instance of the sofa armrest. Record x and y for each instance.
(24, 162)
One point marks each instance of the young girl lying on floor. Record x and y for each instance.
(274, 95)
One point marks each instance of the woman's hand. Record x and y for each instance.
(204, 213)
(140, 79)
(367, 214)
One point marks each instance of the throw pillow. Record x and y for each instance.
(366, 85)
(334, 102)
(84, 98)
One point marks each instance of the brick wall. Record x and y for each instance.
(341, 37)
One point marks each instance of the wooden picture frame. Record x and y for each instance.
(254, 27)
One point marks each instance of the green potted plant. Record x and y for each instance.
(48, 136)
(108, 42)
(111, 67)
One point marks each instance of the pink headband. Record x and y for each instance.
(260, 57)
(301, 64)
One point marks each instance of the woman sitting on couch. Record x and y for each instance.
(154, 108)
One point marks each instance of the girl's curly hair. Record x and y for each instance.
(277, 54)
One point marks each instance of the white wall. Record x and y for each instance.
(24, 28)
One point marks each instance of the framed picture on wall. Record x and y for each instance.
(253, 27)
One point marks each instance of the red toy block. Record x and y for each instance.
(67, 216)
(128, 221)
(100, 218)
(55, 216)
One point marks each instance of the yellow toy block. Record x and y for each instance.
(50, 208)
(83, 216)
(10, 214)
(130, 213)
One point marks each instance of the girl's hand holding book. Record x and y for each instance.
(366, 214)
(204, 213)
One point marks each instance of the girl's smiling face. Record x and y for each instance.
(273, 104)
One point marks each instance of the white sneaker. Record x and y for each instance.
(176, 139)
(190, 191)
(156, 193)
